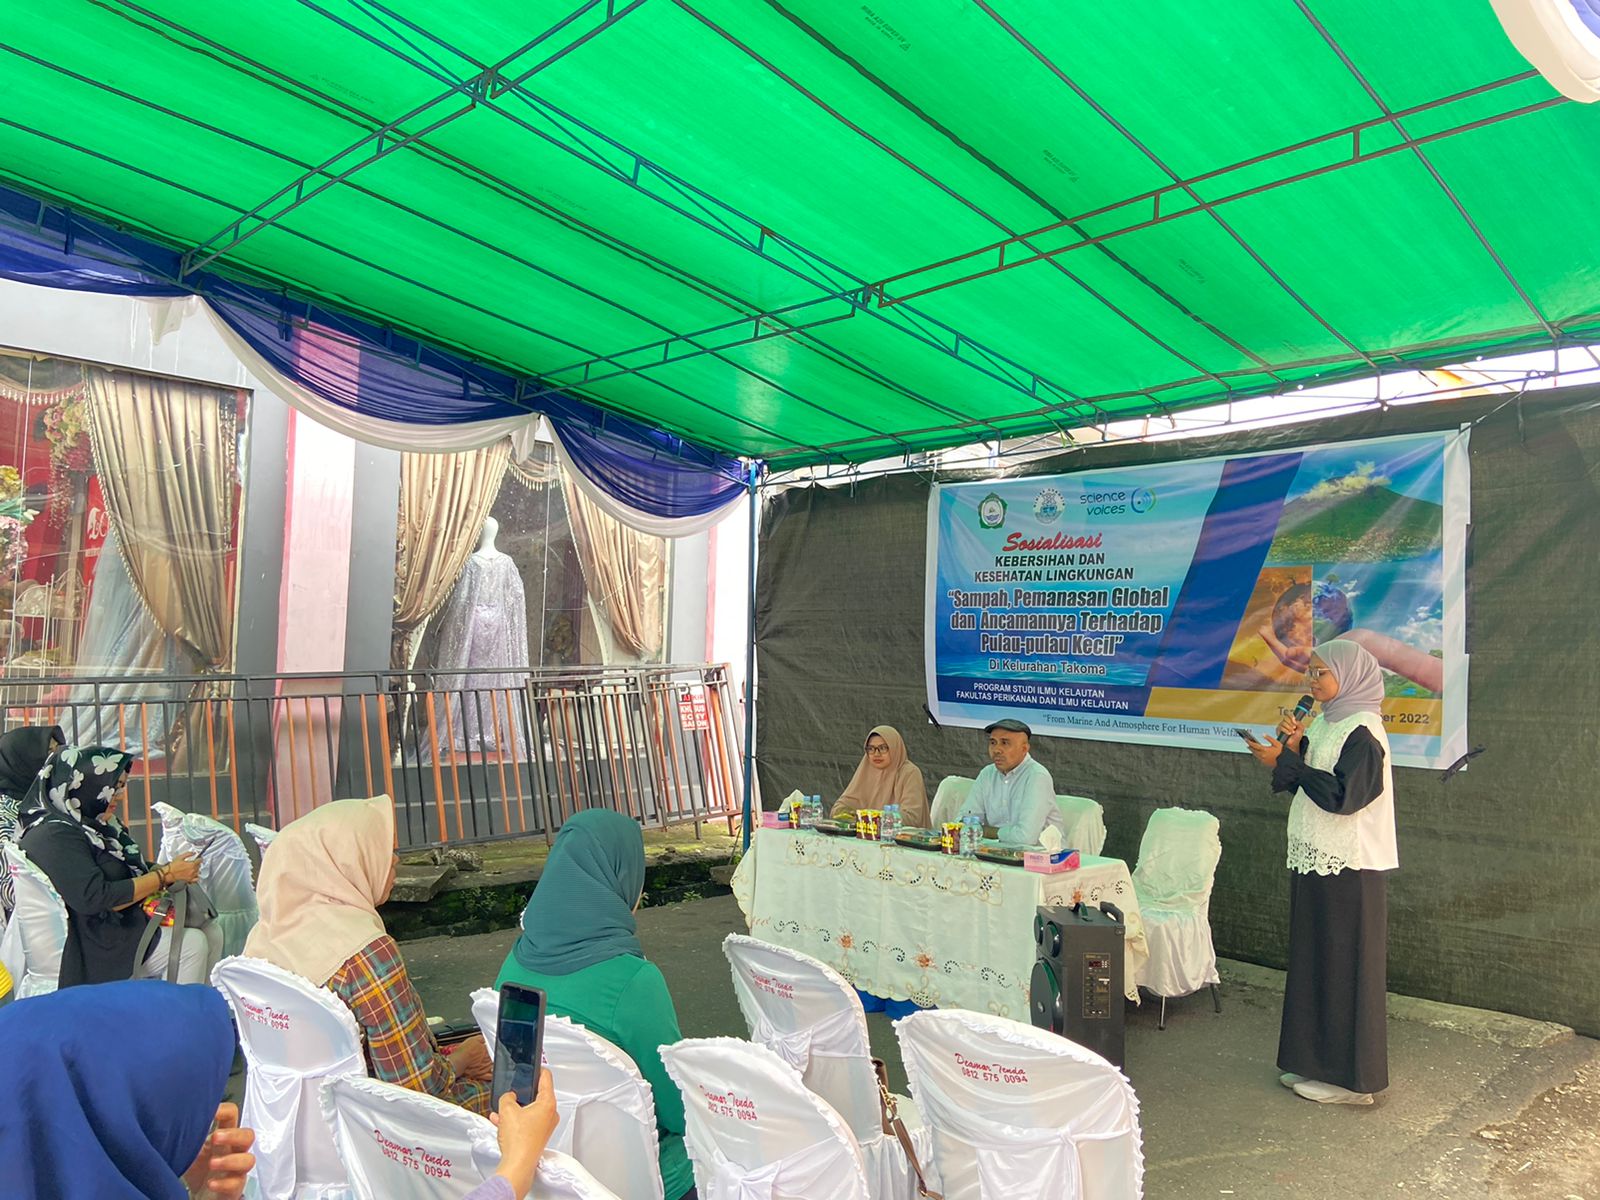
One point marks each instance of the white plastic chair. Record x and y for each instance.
(1177, 866)
(295, 1035)
(405, 1145)
(225, 871)
(37, 932)
(1085, 821)
(755, 1130)
(1021, 1114)
(948, 798)
(804, 1012)
(608, 1113)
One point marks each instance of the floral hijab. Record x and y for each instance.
(76, 785)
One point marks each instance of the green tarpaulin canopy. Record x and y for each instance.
(821, 230)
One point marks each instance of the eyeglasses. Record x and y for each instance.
(877, 749)
(1316, 673)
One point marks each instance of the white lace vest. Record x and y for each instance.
(1323, 843)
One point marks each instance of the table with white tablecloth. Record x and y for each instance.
(910, 925)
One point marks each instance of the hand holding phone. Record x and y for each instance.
(524, 1131)
(1245, 734)
(518, 1043)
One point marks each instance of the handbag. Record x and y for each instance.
(182, 906)
(889, 1114)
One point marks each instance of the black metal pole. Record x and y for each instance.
(750, 663)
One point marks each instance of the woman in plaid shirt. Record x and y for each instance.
(320, 887)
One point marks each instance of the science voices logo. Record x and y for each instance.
(1109, 502)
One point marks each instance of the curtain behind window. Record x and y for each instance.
(165, 455)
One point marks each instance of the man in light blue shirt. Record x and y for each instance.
(1015, 795)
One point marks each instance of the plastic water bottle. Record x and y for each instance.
(971, 831)
(888, 823)
(817, 811)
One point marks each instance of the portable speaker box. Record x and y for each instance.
(1077, 987)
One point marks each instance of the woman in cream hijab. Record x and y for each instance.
(886, 777)
(321, 883)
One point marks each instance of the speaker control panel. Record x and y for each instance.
(1097, 998)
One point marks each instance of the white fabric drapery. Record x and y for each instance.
(374, 431)
(523, 432)
(1554, 38)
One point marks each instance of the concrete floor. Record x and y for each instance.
(1481, 1104)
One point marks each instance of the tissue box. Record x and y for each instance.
(773, 820)
(1050, 862)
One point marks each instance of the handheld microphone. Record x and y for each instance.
(1300, 710)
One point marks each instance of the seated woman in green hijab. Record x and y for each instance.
(579, 945)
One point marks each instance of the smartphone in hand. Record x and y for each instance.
(518, 1043)
(1245, 735)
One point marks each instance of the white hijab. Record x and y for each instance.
(319, 888)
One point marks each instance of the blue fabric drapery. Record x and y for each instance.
(1589, 13)
(373, 372)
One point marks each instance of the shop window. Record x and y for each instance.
(591, 590)
(120, 509)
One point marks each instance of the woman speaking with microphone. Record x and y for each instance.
(1333, 1045)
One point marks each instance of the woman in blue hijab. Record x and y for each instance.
(86, 1121)
(580, 945)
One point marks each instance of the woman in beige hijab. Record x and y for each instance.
(321, 883)
(886, 777)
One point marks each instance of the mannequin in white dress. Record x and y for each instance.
(483, 632)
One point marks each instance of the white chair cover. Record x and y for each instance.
(37, 932)
(1086, 824)
(1177, 866)
(948, 798)
(608, 1113)
(404, 1145)
(260, 835)
(486, 1013)
(224, 869)
(1021, 1114)
(295, 1036)
(804, 1012)
(562, 1177)
(754, 1132)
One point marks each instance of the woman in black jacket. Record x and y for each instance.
(71, 832)
(23, 752)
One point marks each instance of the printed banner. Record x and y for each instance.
(1176, 602)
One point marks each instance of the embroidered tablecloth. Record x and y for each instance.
(910, 925)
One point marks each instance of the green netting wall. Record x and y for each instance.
(1495, 903)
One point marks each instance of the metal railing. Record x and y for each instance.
(467, 757)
